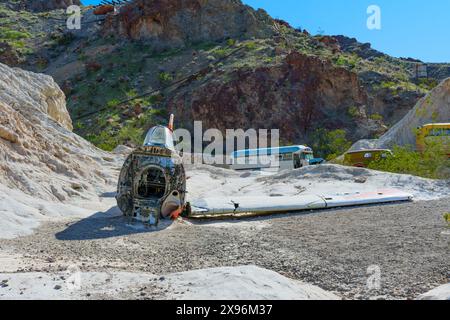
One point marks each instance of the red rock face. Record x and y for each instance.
(330, 42)
(102, 10)
(297, 96)
(170, 23)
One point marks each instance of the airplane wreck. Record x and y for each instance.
(152, 182)
(152, 186)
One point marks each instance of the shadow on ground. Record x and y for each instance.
(107, 224)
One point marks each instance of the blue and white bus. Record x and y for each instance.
(283, 158)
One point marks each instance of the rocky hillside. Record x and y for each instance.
(436, 71)
(176, 23)
(280, 77)
(47, 5)
(297, 94)
(433, 108)
(39, 154)
(39, 5)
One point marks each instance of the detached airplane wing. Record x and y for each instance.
(229, 205)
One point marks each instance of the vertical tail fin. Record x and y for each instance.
(172, 117)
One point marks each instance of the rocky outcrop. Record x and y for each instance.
(297, 96)
(39, 155)
(392, 106)
(351, 45)
(174, 23)
(433, 108)
(439, 71)
(330, 42)
(48, 5)
(34, 92)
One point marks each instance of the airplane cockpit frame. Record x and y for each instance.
(152, 182)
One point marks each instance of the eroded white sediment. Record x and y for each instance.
(227, 283)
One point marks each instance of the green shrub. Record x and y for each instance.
(433, 163)
(108, 139)
(389, 85)
(112, 103)
(376, 117)
(396, 86)
(79, 125)
(15, 39)
(250, 45)
(129, 133)
(8, 34)
(131, 93)
(231, 42)
(428, 84)
(220, 52)
(341, 61)
(165, 78)
(447, 218)
(380, 60)
(347, 61)
(268, 60)
(353, 112)
(330, 144)
(105, 140)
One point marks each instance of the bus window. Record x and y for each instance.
(438, 132)
(307, 156)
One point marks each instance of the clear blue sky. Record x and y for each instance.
(409, 28)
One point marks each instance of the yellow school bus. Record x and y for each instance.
(362, 158)
(433, 133)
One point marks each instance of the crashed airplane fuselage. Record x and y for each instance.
(152, 182)
(152, 185)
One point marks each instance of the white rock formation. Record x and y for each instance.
(39, 154)
(33, 93)
(241, 283)
(439, 293)
(328, 179)
(229, 283)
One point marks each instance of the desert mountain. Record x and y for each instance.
(232, 67)
(438, 71)
(175, 23)
(297, 94)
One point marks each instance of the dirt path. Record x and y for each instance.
(331, 249)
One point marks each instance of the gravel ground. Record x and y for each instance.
(331, 249)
